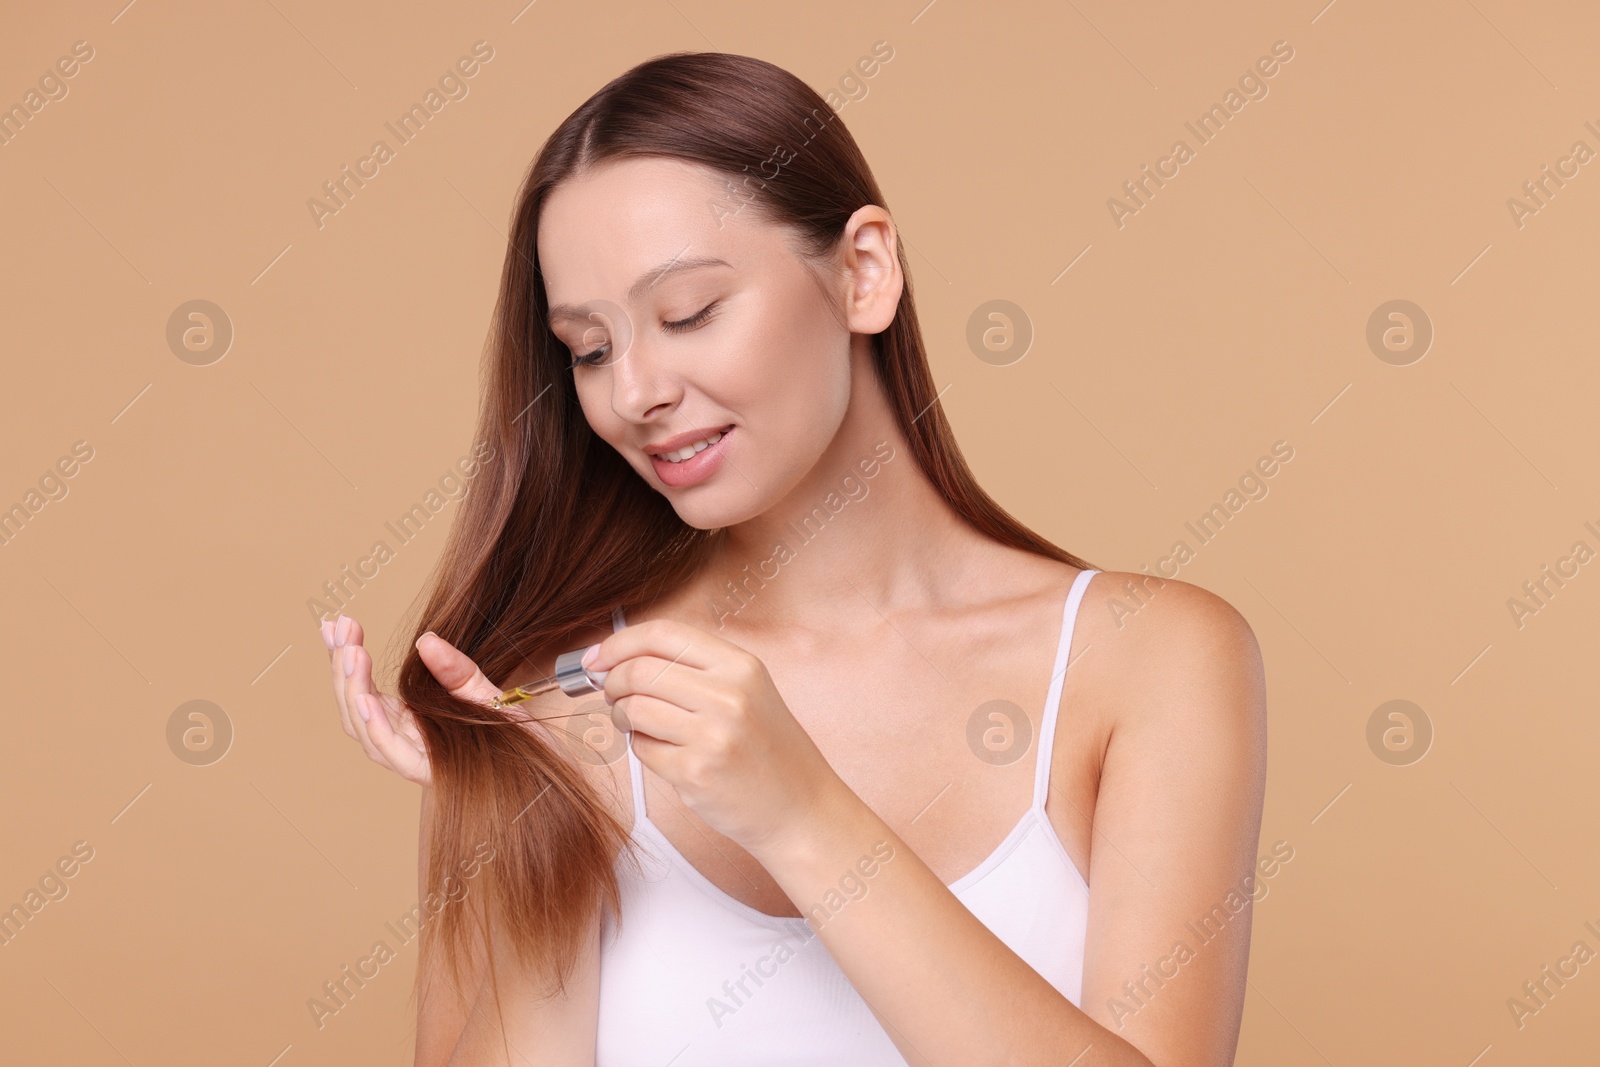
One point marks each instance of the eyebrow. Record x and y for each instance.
(677, 265)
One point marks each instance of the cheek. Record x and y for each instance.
(819, 366)
(800, 394)
(594, 399)
(799, 363)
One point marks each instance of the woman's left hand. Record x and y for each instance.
(707, 718)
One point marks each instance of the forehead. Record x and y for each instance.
(600, 232)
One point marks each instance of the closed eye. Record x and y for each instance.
(699, 318)
(692, 321)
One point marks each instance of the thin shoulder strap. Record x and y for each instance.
(635, 769)
(1052, 701)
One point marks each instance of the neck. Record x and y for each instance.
(863, 534)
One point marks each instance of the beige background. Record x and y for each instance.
(1229, 313)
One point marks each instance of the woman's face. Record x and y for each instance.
(705, 322)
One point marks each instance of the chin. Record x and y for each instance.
(713, 514)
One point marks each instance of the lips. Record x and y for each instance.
(688, 451)
(700, 465)
(678, 442)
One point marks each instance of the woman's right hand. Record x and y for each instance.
(390, 739)
(384, 726)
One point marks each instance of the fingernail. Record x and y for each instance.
(361, 707)
(327, 633)
(425, 633)
(589, 655)
(341, 632)
(349, 660)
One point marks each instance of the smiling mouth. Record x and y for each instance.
(691, 450)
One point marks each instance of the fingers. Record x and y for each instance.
(406, 756)
(335, 633)
(455, 671)
(655, 718)
(667, 638)
(348, 652)
(338, 690)
(660, 678)
(355, 664)
(381, 724)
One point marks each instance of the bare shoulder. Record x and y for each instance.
(1169, 647)
(1177, 675)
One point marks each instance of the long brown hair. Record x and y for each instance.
(558, 529)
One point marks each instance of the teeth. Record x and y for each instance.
(688, 450)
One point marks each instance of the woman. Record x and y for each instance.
(718, 455)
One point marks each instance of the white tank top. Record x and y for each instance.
(693, 977)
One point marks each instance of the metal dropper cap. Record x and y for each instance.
(574, 678)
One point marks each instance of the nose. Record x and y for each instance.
(641, 386)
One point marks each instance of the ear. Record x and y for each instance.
(872, 265)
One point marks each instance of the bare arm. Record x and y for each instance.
(441, 1009)
(540, 1027)
(461, 1025)
(1176, 832)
